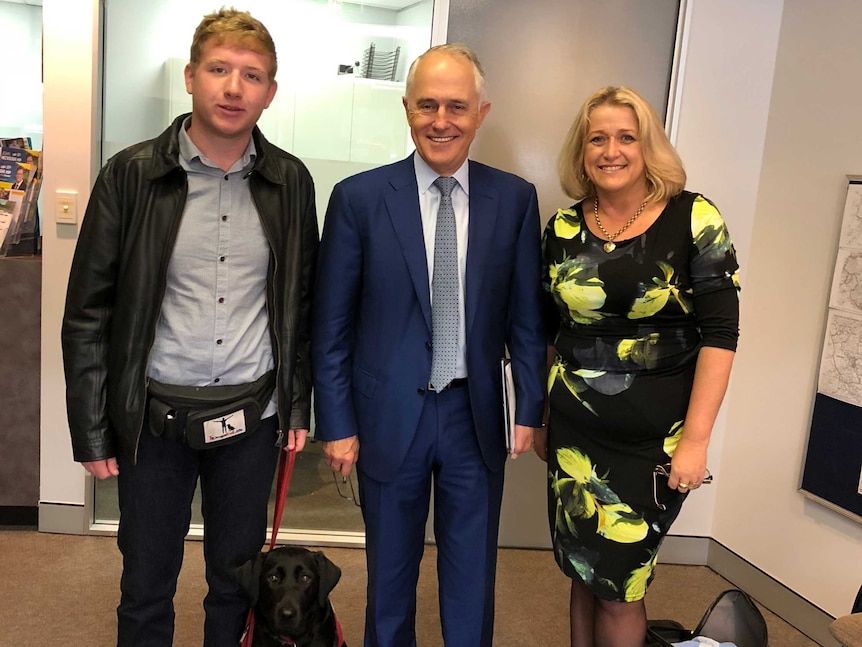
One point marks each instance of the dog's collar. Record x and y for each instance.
(287, 641)
(283, 641)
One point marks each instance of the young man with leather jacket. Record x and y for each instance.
(186, 331)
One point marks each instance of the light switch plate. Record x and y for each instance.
(67, 207)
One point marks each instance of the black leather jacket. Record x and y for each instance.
(118, 277)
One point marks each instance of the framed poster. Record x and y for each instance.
(833, 463)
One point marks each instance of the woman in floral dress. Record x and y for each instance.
(643, 317)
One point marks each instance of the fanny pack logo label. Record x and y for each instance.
(217, 429)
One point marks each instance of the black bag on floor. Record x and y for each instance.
(732, 618)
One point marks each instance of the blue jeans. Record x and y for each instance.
(155, 496)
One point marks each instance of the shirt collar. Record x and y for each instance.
(425, 175)
(189, 152)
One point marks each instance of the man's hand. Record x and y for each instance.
(523, 440)
(296, 439)
(342, 454)
(102, 469)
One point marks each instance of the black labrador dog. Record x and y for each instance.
(289, 590)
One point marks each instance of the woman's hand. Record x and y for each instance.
(540, 442)
(688, 465)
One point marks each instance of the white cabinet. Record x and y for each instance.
(339, 118)
(321, 125)
(379, 127)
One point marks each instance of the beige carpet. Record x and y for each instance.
(63, 590)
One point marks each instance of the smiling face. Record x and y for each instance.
(19, 175)
(444, 110)
(613, 158)
(230, 88)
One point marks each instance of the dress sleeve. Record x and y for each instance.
(714, 277)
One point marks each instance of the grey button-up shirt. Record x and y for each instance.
(214, 328)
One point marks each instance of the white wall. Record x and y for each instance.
(726, 83)
(71, 159)
(813, 139)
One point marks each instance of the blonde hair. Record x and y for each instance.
(665, 174)
(230, 26)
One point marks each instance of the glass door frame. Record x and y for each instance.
(286, 535)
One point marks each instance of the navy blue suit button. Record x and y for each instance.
(428, 345)
(420, 391)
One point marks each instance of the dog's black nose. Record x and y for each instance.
(288, 613)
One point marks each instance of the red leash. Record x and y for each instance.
(285, 469)
(284, 473)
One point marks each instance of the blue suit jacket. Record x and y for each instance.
(371, 333)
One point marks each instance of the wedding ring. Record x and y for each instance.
(683, 486)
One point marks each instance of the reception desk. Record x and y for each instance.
(20, 331)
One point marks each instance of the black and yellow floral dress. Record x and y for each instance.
(627, 326)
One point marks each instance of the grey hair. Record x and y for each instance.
(455, 49)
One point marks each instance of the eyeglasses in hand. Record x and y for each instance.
(663, 471)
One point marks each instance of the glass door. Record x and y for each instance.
(342, 67)
(542, 60)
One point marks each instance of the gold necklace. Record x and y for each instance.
(610, 246)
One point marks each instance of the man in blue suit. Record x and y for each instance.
(382, 398)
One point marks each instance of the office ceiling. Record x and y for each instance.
(386, 4)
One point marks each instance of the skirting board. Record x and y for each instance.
(676, 549)
(691, 551)
(790, 607)
(63, 519)
(71, 520)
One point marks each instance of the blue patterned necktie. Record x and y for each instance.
(445, 314)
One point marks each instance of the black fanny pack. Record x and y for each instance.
(208, 416)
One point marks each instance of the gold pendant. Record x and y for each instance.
(609, 246)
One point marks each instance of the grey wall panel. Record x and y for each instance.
(542, 59)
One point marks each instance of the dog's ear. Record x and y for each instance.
(248, 577)
(329, 575)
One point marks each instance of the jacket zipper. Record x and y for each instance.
(270, 281)
(163, 271)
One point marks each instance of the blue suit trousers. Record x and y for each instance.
(445, 457)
